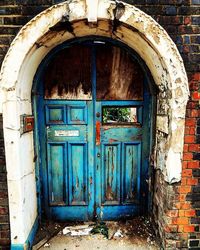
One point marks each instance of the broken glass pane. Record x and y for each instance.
(119, 115)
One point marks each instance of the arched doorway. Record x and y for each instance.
(94, 113)
(35, 40)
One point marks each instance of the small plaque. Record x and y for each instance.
(69, 133)
(27, 123)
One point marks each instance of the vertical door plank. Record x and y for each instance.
(111, 174)
(56, 173)
(78, 173)
(131, 172)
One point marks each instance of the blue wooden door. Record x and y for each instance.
(69, 158)
(119, 161)
(93, 114)
(121, 129)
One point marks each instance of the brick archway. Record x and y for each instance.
(54, 26)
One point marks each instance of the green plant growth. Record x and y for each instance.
(116, 114)
(100, 228)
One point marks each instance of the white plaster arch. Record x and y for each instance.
(140, 32)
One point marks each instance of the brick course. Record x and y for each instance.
(185, 223)
(176, 207)
(4, 218)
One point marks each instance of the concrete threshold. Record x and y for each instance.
(131, 234)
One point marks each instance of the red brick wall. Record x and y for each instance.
(177, 207)
(190, 185)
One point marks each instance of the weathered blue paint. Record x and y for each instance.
(81, 180)
(18, 247)
(120, 165)
(56, 173)
(67, 169)
(78, 170)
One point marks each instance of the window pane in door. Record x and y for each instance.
(68, 75)
(119, 77)
(119, 115)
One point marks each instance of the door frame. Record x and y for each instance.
(37, 97)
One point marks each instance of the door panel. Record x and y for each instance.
(122, 134)
(78, 169)
(111, 173)
(55, 114)
(77, 114)
(56, 173)
(131, 171)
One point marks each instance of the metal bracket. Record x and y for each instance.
(27, 123)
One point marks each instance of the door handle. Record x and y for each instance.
(98, 133)
(97, 114)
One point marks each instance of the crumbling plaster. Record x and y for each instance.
(137, 30)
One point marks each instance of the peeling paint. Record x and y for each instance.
(137, 30)
(77, 93)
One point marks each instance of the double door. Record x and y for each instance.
(93, 162)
